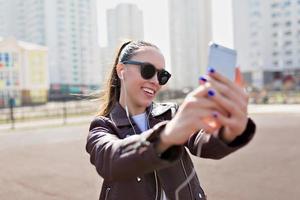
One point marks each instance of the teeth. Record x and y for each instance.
(148, 90)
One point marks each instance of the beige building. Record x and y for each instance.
(190, 33)
(23, 72)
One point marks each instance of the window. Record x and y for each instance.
(276, 14)
(287, 3)
(289, 62)
(275, 63)
(287, 43)
(288, 23)
(275, 24)
(274, 5)
(288, 33)
(288, 53)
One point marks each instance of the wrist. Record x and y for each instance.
(224, 136)
(163, 142)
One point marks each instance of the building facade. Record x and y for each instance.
(267, 38)
(68, 28)
(24, 73)
(190, 34)
(124, 22)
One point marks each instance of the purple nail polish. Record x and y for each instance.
(215, 114)
(211, 70)
(201, 78)
(211, 93)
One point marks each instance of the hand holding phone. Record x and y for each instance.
(223, 60)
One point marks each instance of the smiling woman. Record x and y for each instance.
(138, 146)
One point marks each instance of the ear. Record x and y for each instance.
(120, 70)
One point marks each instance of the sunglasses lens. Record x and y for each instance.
(163, 77)
(148, 71)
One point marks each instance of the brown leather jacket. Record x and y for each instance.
(132, 169)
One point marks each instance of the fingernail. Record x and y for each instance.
(211, 93)
(211, 70)
(201, 78)
(215, 114)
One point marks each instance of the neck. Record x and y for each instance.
(133, 109)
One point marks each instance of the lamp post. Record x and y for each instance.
(11, 108)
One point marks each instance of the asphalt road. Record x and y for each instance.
(50, 163)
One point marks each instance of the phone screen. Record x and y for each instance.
(223, 60)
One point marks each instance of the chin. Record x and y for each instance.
(146, 103)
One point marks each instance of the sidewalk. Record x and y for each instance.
(252, 109)
(274, 108)
(46, 123)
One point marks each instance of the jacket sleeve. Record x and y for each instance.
(116, 158)
(215, 148)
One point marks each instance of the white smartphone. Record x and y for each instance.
(222, 59)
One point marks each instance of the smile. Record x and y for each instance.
(148, 90)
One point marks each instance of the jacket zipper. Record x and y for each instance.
(155, 175)
(106, 193)
(186, 176)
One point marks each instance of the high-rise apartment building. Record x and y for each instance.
(68, 28)
(124, 22)
(190, 34)
(267, 38)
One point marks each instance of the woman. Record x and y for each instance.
(139, 147)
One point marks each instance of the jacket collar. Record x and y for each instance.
(119, 117)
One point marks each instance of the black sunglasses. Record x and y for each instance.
(148, 71)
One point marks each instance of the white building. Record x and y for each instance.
(267, 38)
(125, 21)
(190, 33)
(67, 27)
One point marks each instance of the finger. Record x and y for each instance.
(237, 124)
(201, 103)
(200, 91)
(227, 104)
(197, 119)
(226, 81)
(206, 127)
(229, 93)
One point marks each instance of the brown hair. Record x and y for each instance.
(111, 93)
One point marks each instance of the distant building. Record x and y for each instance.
(124, 22)
(267, 38)
(68, 28)
(23, 72)
(190, 34)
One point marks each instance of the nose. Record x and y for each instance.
(154, 79)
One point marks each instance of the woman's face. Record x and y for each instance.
(141, 92)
